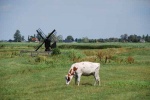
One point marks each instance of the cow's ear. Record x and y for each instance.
(70, 71)
(75, 68)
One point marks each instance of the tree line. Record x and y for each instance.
(123, 38)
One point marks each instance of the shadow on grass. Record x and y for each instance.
(87, 84)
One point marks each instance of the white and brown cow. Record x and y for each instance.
(85, 69)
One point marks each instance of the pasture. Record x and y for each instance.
(125, 72)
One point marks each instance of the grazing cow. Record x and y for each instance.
(85, 69)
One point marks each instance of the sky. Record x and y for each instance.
(94, 19)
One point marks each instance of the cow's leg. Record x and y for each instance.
(78, 78)
(97, 78)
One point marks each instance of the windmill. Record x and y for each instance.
(47, 40)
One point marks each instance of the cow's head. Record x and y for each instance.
(70, 75)
(68, 79)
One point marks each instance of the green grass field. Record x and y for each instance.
(43, 77)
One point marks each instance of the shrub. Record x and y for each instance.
(56, 51)
(108, 58)
(100, 55)
(2, 46)
(40, 59)
(130, 59)
(75, 55)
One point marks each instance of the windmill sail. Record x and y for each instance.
(39, 46)
(39, 33)
(51, 33)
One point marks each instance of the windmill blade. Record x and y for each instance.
(51, 33)
(40, 34)
(39, 46)
(53, 37)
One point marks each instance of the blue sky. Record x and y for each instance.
(79, 18)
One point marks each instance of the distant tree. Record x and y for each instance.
(60, 38)
(17, 36)
(85, 39)
(139, 38)
(70, 38)
(147, 38)
(79, 40)
(124, 37)
(93, 40)
(38, 37)
(143, 37)
(34, 36)
(10, 40)
(114, 40)
(131, 38)
(101, 40)
(76, 40)
(29, 38)
(134, 38)
(22, 38)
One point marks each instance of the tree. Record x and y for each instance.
(143, 37)
(29, 38)
(17, 36)
(38, 37)
(85, 39)
(69, 38)
(78, 40)
(22, 38)
(124, 37)
(147, 38)
(134, 38)
(60, 38)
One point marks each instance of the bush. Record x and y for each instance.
(75, 55)
(40, 59)
(56, 51)
(2, 46)
(100, 55)
(130, 59)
